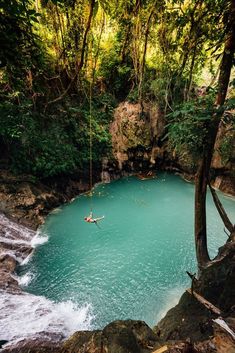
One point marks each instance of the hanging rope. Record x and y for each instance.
(90, 218)
(90, 139)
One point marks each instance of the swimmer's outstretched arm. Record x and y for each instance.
(98, 219)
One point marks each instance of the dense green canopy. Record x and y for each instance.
(62, 61)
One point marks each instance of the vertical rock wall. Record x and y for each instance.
(138, 146)
(136, 135)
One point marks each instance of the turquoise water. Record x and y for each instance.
(134, 265)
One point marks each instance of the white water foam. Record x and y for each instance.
(39, 239)
(13, 229)
(14, 241)
(25, 279)
(19, 236)
(26, 259)
(26, 315)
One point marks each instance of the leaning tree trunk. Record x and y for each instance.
(202, 176)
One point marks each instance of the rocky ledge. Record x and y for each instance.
(28, 201)
(122, 337)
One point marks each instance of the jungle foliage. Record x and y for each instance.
(64, 61)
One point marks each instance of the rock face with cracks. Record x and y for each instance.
(139, 144)
(135, 135)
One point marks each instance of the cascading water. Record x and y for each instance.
(24, 315)
(29, 316)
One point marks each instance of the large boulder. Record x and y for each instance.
(118, 337)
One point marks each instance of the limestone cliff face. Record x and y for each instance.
(136, 134)
(138, 145)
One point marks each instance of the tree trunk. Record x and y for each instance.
(191, 71)
(228, 224)
(202, 176)
(201, 182)
(142, 64)
(81, 61)
(88, 26)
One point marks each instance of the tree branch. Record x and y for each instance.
(228, 224)
(81, 62)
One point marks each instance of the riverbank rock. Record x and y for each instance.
(28, 201)
(8, 283)
(7, 262)
(47, 344)
(189, 319)
(118, 337)
(226, 184)
(179, 325)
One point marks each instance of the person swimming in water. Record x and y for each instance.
(90, 219)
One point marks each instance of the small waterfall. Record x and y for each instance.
(29, 316)
(23, 315)
(24, 280)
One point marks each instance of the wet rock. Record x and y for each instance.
(179, 325)
(7, 262)
(2, 342)
(118, 337)
(215, 281)
(15, 246)
(226, 184)
(28, 202)
(20, 251)
(189, 318)
(47, 344)
(8, 283)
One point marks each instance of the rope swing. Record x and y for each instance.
(90, 219)
(90, 148)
